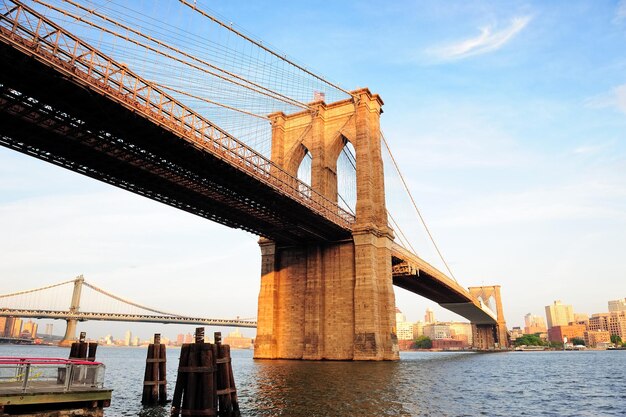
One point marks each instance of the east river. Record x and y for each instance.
(583, 383)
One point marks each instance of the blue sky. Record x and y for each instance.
(507, 119)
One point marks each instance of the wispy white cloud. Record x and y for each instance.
(620, 13)
(616, 98)
(489, 40)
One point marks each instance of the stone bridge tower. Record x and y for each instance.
(331, 300)
(490, 336)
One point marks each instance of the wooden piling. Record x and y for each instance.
(154, 377)
(201, 377)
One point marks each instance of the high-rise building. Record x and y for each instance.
(16, 330)
(30, 327)
(613, 322)
(418, 329)
(128, 336)
(3, 323)
(188, 338)
(49, 329)
(534, 324)
(400, 317)
(8, 326)
(404, 329)
(559, 314)
(429, 317)
(180, 339)
(617, 305)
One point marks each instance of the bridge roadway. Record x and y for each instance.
(83, 316)
(66, 103)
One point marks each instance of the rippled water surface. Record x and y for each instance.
(588, 383)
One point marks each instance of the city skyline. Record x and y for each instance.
(519, 130)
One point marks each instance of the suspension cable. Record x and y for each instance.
(401, 234)
(226, 106)
(269, 93)
(171, 48)
(417, 210)
(260, 45)
(36, 289)
(115, 297)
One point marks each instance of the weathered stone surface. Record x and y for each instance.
(331, 300)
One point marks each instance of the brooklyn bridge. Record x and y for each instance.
(241, 136)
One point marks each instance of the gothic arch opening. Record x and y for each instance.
(304, 168)
(346, 177)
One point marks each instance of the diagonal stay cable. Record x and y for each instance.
(417, 210)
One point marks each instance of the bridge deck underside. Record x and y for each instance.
(68, 125)
(434, 285)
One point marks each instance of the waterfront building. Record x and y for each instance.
(437, 331)
(136, 341)
(48, 330)
(237, 340)
(613, 322)
(418, 329)
(180, 339)
(404, 330)
(128, 336)
(534, 324)
(429, 317)
(617, 305)
(3, 324)
(597, 338)
(557, 333)
(30, 327)
(516, 332)
(559, 314)
(188, 338)
(461, 331)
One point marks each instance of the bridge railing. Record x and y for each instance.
(50, 374)
(35, 35)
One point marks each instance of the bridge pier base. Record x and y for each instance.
(70, 333)
(327, 302)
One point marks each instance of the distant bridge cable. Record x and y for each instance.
(260, 45)
(108, 294)
(36, 289)
(417, 210)
(252, 86)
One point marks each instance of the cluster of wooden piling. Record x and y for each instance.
(154, 381)
(83, 350)
(205, 385)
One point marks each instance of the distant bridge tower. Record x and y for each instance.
(70, 330)
(331, 300)
(490, 336)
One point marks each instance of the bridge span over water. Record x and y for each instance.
(327, 269)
